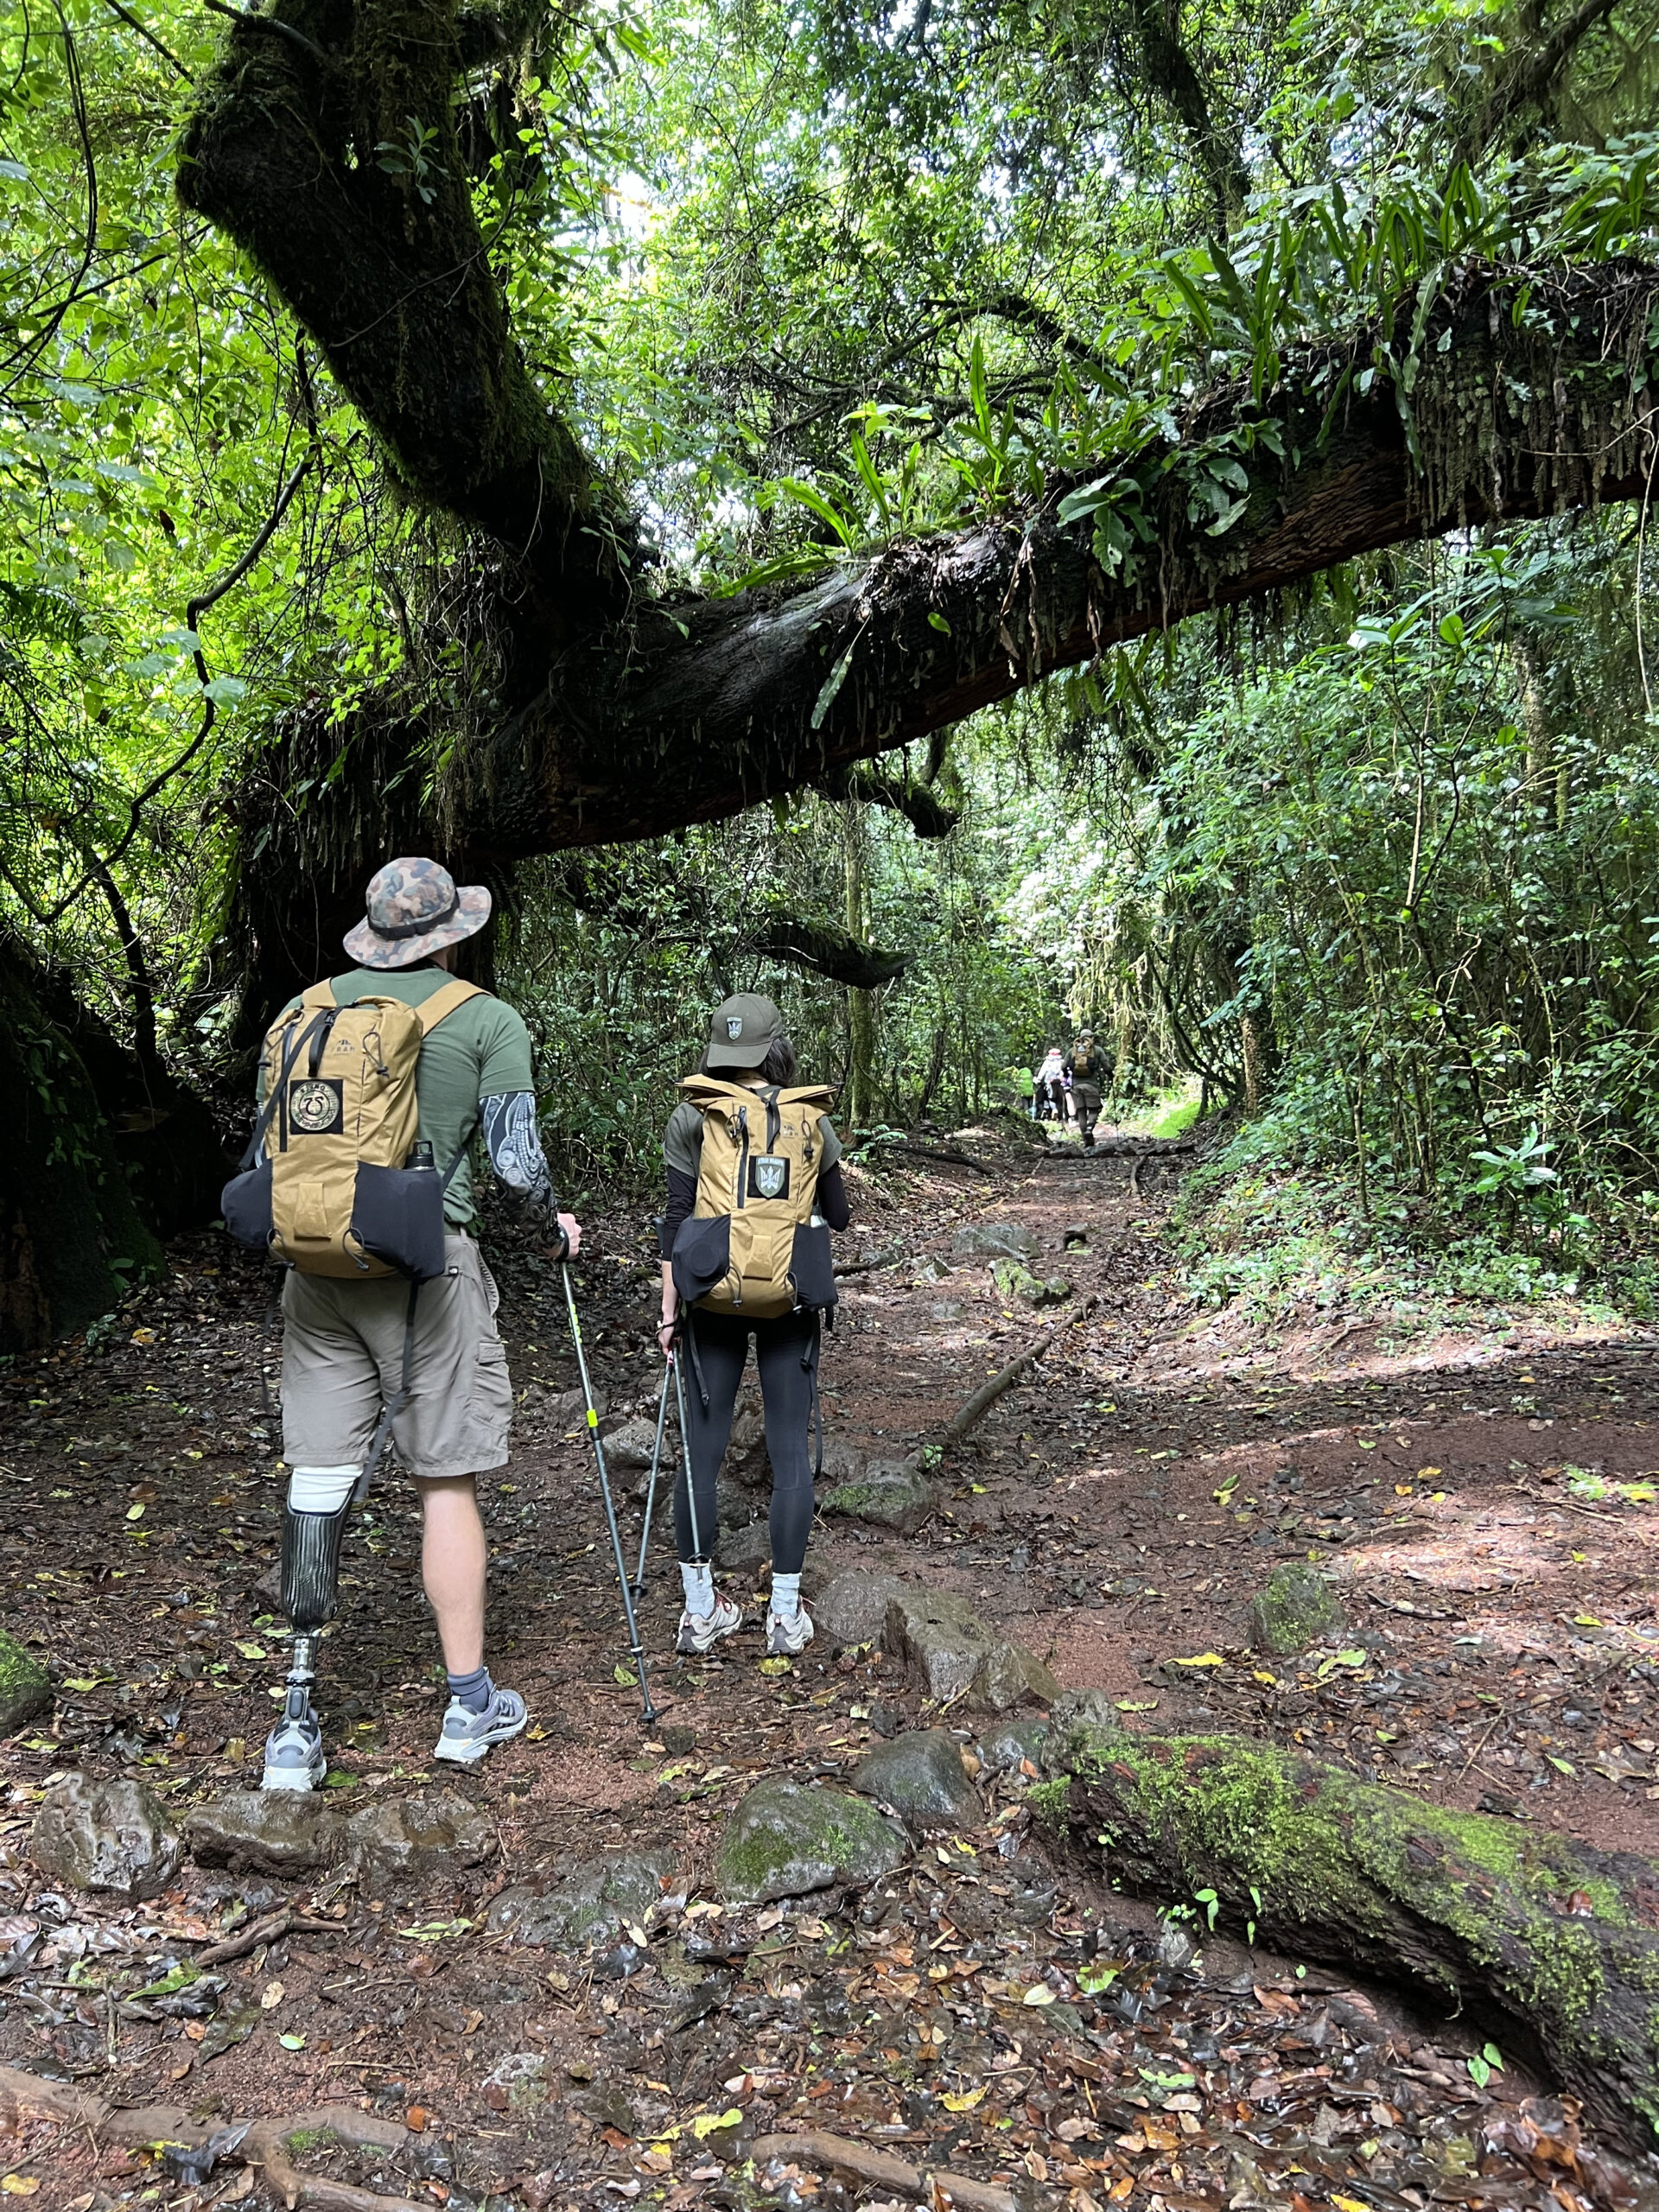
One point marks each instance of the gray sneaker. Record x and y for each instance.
(466, 1736)
(785, 1638)
(295, 1758)
(700, 1632)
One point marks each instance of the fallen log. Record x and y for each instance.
(882, 2170)
(194, 2147)
(903, 1148)
(1123, 1148)
(1547, 1944)
(974, 1410)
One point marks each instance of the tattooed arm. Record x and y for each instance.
(516, 1155)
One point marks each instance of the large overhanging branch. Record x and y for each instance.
(1538, 402)
(822, 947)
(324, 143)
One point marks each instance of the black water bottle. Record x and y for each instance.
(420, 1157)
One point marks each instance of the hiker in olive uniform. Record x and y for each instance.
(416, 1353)
(754, 1186)
(1088, 1073)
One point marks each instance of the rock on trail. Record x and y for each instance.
(784, 1840)
(921, 1778)
(951, 1652)
(106, 1835)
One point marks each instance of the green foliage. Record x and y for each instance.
(1370, 875)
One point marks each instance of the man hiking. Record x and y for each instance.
(1088, 1072)
(372, 1087)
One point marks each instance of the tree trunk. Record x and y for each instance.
(1551, 1947)
(861, 1003)
(72, 1241)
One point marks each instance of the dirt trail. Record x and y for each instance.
(1116, 1510)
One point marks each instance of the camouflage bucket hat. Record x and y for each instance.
(414, 909)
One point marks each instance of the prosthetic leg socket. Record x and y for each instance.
(314, 1525)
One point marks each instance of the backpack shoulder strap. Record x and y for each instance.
(430, 1012)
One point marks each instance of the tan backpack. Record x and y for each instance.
(335, 1194)
(755, 1245)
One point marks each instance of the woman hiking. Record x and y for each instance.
(754, 1186)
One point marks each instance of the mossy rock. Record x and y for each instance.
(1296, 1608)
(589, 1905)
(25, 1687)
(893, 1495)
(785, 1840)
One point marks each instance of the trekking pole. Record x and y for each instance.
(649, 1712)
(651, 1488)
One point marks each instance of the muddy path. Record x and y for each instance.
(984, 2007)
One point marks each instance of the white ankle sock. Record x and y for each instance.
(785, 1595)
(699, 1579)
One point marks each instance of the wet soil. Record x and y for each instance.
(1116, 1509)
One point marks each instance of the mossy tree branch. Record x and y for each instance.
(1553, 1945)
(343, 178)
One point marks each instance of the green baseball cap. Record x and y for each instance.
(742, 1030)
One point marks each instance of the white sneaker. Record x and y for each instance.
(700, 1632)
(786, 1637)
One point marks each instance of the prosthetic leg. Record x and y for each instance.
(314, 1523)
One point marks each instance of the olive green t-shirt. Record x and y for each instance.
(480, 1051)
(683, 1141)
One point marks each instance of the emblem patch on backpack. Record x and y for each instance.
(314, 1107)
(769, 1175)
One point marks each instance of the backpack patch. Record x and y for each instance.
(317, 1105)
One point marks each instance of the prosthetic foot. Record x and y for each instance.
(314, 1523)
(294, 1753)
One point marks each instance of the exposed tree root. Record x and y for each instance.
(286, 1922)
(969, 1415)
(1547, 1944)
(909, 1151)
(839, 2154)
(266, 2144)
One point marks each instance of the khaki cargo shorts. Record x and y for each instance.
(343, 1360)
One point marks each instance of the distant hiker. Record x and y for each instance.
(1051, 1086)
(1088, 1072)
(755, 1187)
(373, 1085)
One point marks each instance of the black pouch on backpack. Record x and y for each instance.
(398, 1217)
(245, 1204)
(812, 1265)
(701, 1255)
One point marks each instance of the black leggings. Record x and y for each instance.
(786, 1353)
